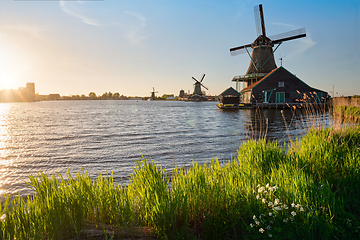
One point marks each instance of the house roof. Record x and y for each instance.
(256, 83)
(230, 91)
(272, 72)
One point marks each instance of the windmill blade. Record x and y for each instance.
(239, 50)
(257, 20)
(262, 20)
(195, 79)
(202, 78)
(287, 36)
(204, 86)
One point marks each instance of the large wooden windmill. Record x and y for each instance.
(262, 57)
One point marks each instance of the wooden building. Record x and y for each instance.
(281, 86)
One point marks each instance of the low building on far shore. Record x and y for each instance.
(23, 94)
(52, 97)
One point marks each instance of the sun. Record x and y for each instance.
(5, 82)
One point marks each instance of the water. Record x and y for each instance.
(106, 136)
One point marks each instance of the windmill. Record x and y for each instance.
(198, 94)
(262, 57)
(153, 94)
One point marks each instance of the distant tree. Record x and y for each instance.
(104, 96)
(82, 96)
(110, 95)
(116, 95)
(92, 95)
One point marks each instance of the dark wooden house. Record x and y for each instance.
(281, 86)
(229, 96)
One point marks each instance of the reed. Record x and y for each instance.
(308, 190)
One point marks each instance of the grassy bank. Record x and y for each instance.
(351, 113)
(310, 191)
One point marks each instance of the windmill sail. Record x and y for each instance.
(287, 36)
(262, 55)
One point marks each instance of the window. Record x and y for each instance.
(318, 97)
(280, 84)
(280, 97)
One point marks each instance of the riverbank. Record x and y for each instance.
(347, 108)
(310, 191)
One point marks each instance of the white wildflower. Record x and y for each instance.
(264, 200)
(261, 230)
(257, 196)
(301, 209)
(258, 185)
(271, 189)
(270, 214)
(270, 204)
(267, 185)
(276, 202)
(293, 213)
(251, 225)
(277, 208)
(3, 217)
(293, 205)
(270, 235)
(268, 227)
(257, 222)
(284, 220)
(261, 189)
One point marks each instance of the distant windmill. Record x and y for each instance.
(198, 94)
(153, 94)
(262, 57)
(198, 84)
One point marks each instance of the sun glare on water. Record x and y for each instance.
(4, 136)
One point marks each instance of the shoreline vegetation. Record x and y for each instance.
(347, 108)
(304, 189)
(104, 96)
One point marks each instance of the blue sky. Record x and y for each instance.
(131, 46)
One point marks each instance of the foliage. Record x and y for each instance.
(351, 113)
(307, 190)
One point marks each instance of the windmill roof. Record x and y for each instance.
(230, 91)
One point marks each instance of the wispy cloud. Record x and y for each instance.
(133, 29)
(290, 26)
(305, 43)
(34, 30)
(74, 10)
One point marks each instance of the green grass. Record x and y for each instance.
(310, 190)
(351, 113)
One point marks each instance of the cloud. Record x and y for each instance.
(290, 26)
(33, 30)
(133, 29)
(73, 9)
(305, 44)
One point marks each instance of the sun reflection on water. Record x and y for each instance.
(4, 149)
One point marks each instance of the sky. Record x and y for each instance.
(133, 46)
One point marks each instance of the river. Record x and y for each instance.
(110, 135)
